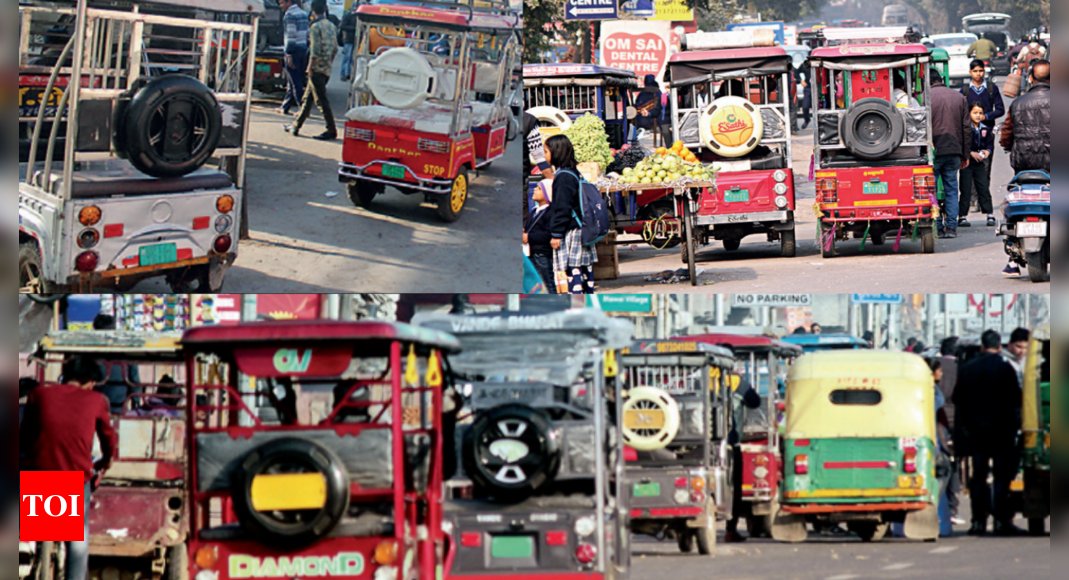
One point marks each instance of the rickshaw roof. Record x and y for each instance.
(457, 19)
(747, 343)
(163, 345)
(940, 55)
(831, 340)
(699, 64)
(318, 331)
(575, 70)
(878, 50)
(229, 6)
(717, 355)
(905, 382)
(729, 54)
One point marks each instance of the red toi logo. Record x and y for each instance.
(51, 506)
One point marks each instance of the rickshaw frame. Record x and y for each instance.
(1036, 461)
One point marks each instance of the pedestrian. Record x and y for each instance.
(1026, 132)
(912, 342)
(1016, 351)
(981, 150)
(802, 79)
(981, 90)
(537, 235)
(665, 122)
(348, 41)
(743, 397)
(816, 329)
(1032, 53)
(952, 137)
(573, 263)
(648, 107)
(57, 435)
(944, 453)
(322, 48)
(534, 155)
(949, 372)
(988, 408)
(295, 33)
(983, 49)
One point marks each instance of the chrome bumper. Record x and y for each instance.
(348, 172)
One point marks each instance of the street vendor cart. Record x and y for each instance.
(117, 183)
(557, 94)
(541, 457)
(430, 101)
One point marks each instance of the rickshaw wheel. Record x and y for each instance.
(732, 245)
(178, 562)
(1038, 265)
(50, 561)
(1037, 527)
(928, 240)
(362, 194)
(686, 541)
(450, 206)
(788, 244)
(31, 270)
(707, 536)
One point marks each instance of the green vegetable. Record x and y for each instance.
(590, 141)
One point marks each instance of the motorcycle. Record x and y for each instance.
(1026, 225)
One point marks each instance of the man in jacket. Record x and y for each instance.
(348, 39)
(322, 48)
(295, 31)
(982, 49)
(648, 105)
(952, 137)
(988, 408)
(534, 154)
(1026, 131)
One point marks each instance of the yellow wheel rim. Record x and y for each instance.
(460, 194)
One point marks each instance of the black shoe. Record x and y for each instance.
(991, 221)
(326, 136)
(964, 223)
(952, 235)
(292, 130)
(978, 529)
(1007, 530)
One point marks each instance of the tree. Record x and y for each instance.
(540, 19)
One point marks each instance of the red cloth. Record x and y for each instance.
(58, 427)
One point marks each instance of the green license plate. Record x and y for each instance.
(647, 490)
(875, 189)
(159, 254)
(263, 69)
(393, 172)
(737, 196)
(512, 547)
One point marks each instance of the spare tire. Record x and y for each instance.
(872, 129)
(651, 419)
(510, 452)
(731, 127)
(402, 78)
(171, 127)
(279, 499)
(551, 117)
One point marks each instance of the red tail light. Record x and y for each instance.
(828, 190)
(682, 482)
(697, 496)
(586, 554)
(471, 540)
(909, 463)
(430, 146)
(630, 454)
(222, 244)
(923, 187)
(86, 262)
(556, 538)
(359, 134)
(801, 465)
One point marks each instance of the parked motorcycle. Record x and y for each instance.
(1026, 226)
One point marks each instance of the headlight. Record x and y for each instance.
(780, 189)
(585, 526)
(781, 202)
(780, 176)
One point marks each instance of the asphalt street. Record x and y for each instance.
(971, 263)
(307, 237)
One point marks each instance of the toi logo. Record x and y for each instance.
(51, 506)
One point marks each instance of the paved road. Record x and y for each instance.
(306, 241)
(972, 263)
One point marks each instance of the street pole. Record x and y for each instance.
(512, 303)
(245, 386)
(720, 314)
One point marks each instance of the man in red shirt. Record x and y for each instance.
(57, 435)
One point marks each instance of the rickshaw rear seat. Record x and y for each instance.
(426, 118)
(119, 178)
(903, 156)
(364, 526)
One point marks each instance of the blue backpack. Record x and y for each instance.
(595, 214)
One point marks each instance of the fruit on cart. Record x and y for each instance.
(628, 158)
(590, 141)
(659, 168)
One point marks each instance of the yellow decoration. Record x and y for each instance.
(612, 368)
(434, 370)
(412, 368)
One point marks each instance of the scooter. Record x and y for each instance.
(1026, 225)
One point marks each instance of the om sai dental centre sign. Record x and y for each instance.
(640, 46)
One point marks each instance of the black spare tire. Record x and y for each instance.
(511, 451)
(285, 461)
(171, 127)
(872, 129)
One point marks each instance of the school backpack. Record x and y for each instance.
(595, 214)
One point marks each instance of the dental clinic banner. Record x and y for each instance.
(640, 46)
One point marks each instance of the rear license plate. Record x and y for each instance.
(159, 254)
(263, 69)
(393, 172)
(875, 189)
(30, 101)
(737, 196)
(512, 547)
(647, 490)
(1032, 230)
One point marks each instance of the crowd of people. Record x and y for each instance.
(311, 45)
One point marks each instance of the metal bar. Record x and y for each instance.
(599, 457)
(397, 429)
(137, 39)
(41, 113)
(109, 69)
(24, 36)
(166, 20)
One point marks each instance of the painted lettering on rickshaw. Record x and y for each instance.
(859, 383)
(342, 565)
(394, 150)
(291, 361)
(434, 170)
(733, 124)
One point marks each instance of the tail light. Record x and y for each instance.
(471, 540)
(923, 187)
(909, 462)
(386, 553)
(359, 134)
(697, 484)
(681, 482)
(801, 465)
(434, 146)
(222, 225)
(88, 239)
(89, 216)
(86, 262)
(630, 454)
(828, 190)
(206, 558)
(222, 244)
(225, 204)
(697, 496)
(586, 554)
(556, 538)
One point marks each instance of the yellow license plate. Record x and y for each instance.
(649, 419)
(290, 492)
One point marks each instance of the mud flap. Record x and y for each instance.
(789, 528)
(922, 525)
(217, 270)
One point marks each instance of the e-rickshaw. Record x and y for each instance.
(763, 361)
(873, 153)
(315, 449)
(540, 453)
(557, 94)
(1036, 429)
(677, 407)
(860, 446)
(430, 101)
(731, 100)
(143, 494)
(116, 185)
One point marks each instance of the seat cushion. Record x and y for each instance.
(482, 113)
(1032, 178)
(426, 118)
(119, 178)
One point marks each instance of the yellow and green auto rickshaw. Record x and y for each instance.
(860, 446)
(1036, 429)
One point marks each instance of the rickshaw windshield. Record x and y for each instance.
(860, 395)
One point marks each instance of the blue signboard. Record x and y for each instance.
(775, 27)
(641, 8)
(878, 299)
(591, 10)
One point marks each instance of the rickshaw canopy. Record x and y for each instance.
(742, 343)
(120, 344)
(810, 342)
(586, 75)
(690, 353)
(259, 333)
(230, 6)
(459, 19)
(687, 68)
(860, 394)
(860, 57)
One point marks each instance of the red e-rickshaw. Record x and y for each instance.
(315, 450)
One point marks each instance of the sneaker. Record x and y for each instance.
(991, 221)
(1012, 271)
(292, 130)
(952, 235)
(957, 521)
(964, 223)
